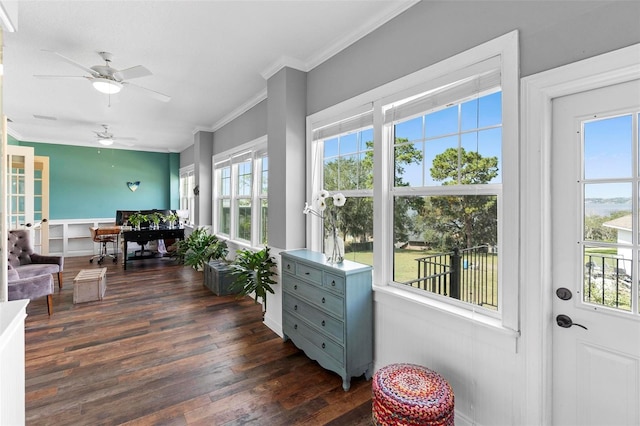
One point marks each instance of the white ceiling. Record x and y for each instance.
(211, 57)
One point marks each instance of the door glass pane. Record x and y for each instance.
(608, 148)
(607, 277)
(607, 212)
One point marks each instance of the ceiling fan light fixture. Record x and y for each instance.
(106, 86)
(106, 141)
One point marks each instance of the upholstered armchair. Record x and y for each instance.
(30, 288)
(29, 264)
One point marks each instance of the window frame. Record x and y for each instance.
(188, 200)
(255, 152)
(504, 49)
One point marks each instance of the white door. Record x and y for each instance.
(20, 169)
(595, 252)
(41, 205)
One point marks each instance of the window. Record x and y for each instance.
(346, 162)
(187, 197)
(241, 194)
(446, 191)
(429, 162)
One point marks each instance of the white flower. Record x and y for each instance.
(322, 195)
(339, 199)
(321, 204)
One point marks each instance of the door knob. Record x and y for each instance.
(565, 321)
(564, 293)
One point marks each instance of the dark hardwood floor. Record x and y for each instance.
(161, 349)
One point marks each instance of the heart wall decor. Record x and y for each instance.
(133, 185)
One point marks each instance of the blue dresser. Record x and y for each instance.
(327, 312)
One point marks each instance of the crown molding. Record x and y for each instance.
(384, 16)
(255, 100)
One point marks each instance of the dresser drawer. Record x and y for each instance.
(321, 320)
(289, 267)
(293, 326)
(309, 273)
(333, 283)
(315, 295)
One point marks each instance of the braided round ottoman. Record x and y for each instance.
(411, 395)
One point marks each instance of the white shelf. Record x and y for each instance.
(72, 237)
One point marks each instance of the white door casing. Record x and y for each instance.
(596, 369)
(536, 289)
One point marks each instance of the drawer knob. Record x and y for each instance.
(333, 283)
(306, 273)
(323, 323)
(323, 300)
(295, 307)
(288, 266)
(323, 345)
(295, 326)
(295, 287)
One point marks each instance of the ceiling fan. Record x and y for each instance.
(107, 79)
(106, 138)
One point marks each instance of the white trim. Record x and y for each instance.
(186, 169)
(384, 15)
(537, 93)
(255, 100)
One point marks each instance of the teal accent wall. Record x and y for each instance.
(12, 141)
(92, 182)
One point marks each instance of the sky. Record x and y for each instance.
(608, 154)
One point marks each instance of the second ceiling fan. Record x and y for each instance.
(107, 138)
(107, 79)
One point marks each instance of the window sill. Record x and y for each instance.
(479, 326)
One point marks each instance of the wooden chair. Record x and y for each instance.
(104, 236)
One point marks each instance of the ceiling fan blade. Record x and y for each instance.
(119, 142)
(125, 138)
(60, 76)
(72, 62)
(133, 72)
(156, 95)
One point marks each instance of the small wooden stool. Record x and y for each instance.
(89, 284)
(411, 395)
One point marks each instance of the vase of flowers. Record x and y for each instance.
(171, 220)
(325, 206)
(155, 218)
(136, 219)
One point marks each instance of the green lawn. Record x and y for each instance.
(406, 269)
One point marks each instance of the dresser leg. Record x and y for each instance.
(346, 384)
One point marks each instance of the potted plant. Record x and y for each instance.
(253, 273)
(156, 218)
(171, 219)
(199, 248)
(136, 219)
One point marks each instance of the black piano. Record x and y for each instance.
(145, 234)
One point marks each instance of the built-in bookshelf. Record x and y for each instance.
(72, 237)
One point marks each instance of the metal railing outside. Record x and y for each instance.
(469, 275)
(607, 282)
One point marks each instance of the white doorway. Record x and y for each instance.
(594, 252)
(537, 285)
